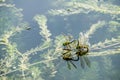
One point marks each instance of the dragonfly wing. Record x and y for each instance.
(82, 62)
(75, 59)
(87, 61)
(74, 43)
(68, 64)
(73, 64)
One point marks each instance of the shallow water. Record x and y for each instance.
(34, 53)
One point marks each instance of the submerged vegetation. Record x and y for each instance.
(18, 65)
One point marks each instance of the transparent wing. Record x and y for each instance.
(82, 62)
(87, 61)
(73, 64)
(68, 65)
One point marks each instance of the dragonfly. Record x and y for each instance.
(75, 51)
(81, 52)
(67, 55)
(69, 41)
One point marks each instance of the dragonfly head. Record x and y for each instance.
(84, 50)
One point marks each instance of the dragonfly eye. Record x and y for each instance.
(64, 44)
(84, 49)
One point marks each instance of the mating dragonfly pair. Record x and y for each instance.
(75, 51)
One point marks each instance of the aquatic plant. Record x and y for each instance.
(15, 64)
(10, 16)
